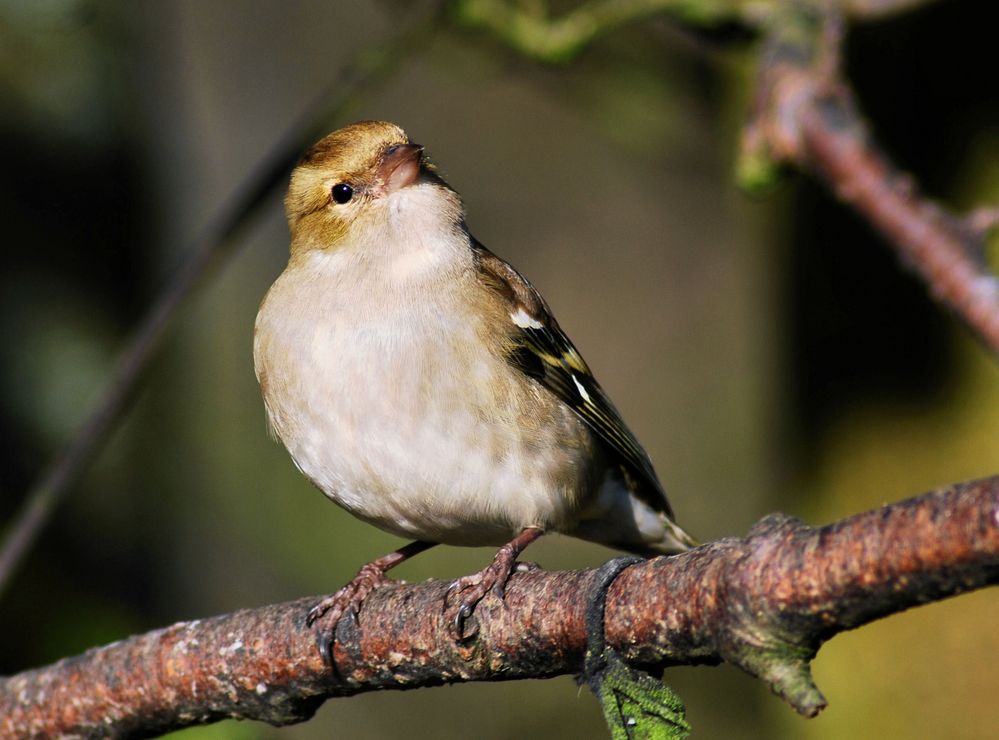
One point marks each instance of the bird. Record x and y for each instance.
(424, 385)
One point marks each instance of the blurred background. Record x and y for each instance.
(768, 351)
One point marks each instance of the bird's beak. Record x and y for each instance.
(399, 166)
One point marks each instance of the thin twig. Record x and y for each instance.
(807, 116)
(215, 245)
(765, 603)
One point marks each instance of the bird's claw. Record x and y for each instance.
(324, 640)
(459, 605)
(459, 627)
(326, 615)
(319, 610)
(464, 595)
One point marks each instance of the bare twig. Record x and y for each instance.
(765, 603)
(209, 251)
(807, 116)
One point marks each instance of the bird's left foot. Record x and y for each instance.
(465, 594)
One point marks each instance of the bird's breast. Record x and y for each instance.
(402, 410)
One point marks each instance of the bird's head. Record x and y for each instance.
(360, 180)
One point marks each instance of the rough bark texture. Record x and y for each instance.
(765, 602)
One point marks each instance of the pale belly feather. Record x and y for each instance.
(417, 429)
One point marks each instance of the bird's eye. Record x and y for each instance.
(342, 192)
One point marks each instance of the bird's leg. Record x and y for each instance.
(464, 594)
(348, 599)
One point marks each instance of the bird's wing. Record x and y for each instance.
(542, 351)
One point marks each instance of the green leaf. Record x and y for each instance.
(636, 705)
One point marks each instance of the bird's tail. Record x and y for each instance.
(675, 540)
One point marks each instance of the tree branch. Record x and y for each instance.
(807, 116)
(765, 602)
(533, 31)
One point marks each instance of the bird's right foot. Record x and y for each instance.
(326, 615)
(348, 600)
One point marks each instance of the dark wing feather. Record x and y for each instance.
(542, 351)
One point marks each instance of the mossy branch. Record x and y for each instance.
(531, 29)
